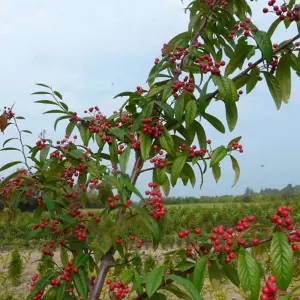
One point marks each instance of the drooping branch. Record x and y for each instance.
(245, 72)
(22, 146)
(191, 270)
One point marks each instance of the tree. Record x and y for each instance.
(158, 125)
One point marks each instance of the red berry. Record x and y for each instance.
(198, 231)
(265, 10)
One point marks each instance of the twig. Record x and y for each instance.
(22, 146)
(191, 270)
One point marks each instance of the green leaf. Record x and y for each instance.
(85, 133)
(55, 111)
(215, 122)
(231, 273)
(215, 274)
(113, 151)
(249, 273)
(119, 133)
(169, 112)
(200, 134)
(189, 172)
(10, 149)
(44, 153)
(150, 223)
(27, 131)
(236, 168)
(60, 119)
(44, 85)
(217, 155)
(81, 260)
(9, 165)
(146, 143)
(254, 75)
(81, 283)
(187, 285)
(231, 115)
(190, 112)
(64, 105)
(199, 272)
(56, 93)
(241, 52)
(46, 102)
(282, 260)
(177, 292)
(166, 187)
(274, 88)
(124, 94)
(70, 127)
(160, 175)
(283, 76)
(166, 142)
(50, 204)
(41, 93)
(8, 140)
(216, 170)
(64, 257)
(40, 284)
(154, 279)
(226, 88)
(177, 167)
(184, 36)
(264, 43)
(273, 27)
(124, 158)
(179, 107)
(60, 291)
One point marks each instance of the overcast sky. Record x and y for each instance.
(90, 51)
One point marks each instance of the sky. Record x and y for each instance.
(90, 51)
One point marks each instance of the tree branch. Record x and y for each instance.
(107, 260)
(22, 145)
(191, 270)
(279, 49)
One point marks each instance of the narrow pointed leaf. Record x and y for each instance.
(236, 168)
(282, 260)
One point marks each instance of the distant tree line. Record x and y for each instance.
(93, 199)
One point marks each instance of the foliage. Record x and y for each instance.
(15, 268)
(160, 126)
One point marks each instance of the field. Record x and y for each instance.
(206, 215)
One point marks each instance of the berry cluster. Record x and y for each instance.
(207, 65)
(282, 218)
(283, 12)
(68, 174)
(119, 289)
(179, 87)
(154, 130)
(41, 144)
(159, 162)
(17, 183)
(270, 289)
(212, 3)
(237, 146)
(192, 150)
(245, 26)
(273, 64)
(135, 143)
(155, 201)
(113, 200)
(223, 240)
